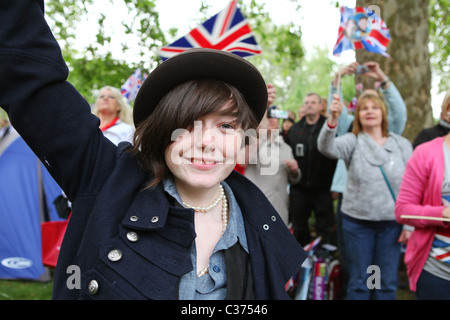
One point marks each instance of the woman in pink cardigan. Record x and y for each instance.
(423, 192)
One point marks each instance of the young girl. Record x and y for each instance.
(166, 217)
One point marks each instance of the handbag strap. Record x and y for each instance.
(387, 182)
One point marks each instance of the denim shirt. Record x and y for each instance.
(212, 286)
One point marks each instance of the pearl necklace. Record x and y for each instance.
(211, 206)
(222, 196)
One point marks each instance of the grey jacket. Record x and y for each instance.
(269, 172)
(366, 195)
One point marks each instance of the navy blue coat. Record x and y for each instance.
(104, 183)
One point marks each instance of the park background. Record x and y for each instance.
(104, 41)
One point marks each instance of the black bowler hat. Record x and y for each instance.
(201, 63)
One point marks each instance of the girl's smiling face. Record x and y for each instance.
(205, 155)
(195, 133)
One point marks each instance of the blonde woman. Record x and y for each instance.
(115, 114)
(370, 230)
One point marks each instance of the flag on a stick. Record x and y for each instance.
(361, 28)
(131, 87)
(228, 30)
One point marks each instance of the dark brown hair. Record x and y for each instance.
(178, 109)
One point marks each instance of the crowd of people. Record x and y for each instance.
(162, 213)
(350, 169)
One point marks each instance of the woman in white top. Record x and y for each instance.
(115, 115)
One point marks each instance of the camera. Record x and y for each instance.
(362, 69)
(276, 113)
(300, 150)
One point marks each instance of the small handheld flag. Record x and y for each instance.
(228, 30)
(131, 87)
(361, 28)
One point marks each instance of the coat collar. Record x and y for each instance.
(139, 216)
(151, 210)
(375, 154)
(148, 210)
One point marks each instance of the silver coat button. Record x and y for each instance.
(115, 255)
(93, 287)
(132, 236)
(155, 219)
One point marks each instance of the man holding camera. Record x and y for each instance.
(312, 192)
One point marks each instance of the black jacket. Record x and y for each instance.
(105, 185)
(428, 134)
(317, 170)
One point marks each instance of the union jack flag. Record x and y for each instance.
(440, 248)
(228, 30)
(361, 28)
(131, 87)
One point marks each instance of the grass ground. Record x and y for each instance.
(403, 292)
(25, 290)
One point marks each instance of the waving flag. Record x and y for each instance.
(131, 87)
(361, 28)
(228, 31)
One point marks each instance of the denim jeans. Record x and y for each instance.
(367, 244)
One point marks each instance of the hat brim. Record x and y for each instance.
(201, 63)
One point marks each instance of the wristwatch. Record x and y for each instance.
(385, 82)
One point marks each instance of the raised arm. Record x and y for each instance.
(47, 111)
(327, 143)
(345, 119)
(397, 114)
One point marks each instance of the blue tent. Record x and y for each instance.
(21, 210)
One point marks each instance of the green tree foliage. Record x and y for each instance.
(315, 75)
(90, 74)
(95, 66)
(65, 16)
(440, 41)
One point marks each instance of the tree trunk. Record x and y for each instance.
(409, 65)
